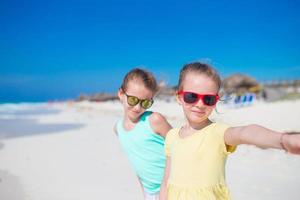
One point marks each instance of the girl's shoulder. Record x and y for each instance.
(159, 124)
(156, 117)
(145, 116)
(153, 117)
(216, 129)
(220, 127)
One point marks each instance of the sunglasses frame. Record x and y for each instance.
(140, 101)
(199, 96)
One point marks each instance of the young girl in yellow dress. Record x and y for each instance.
(196, 152)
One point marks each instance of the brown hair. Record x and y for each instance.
(201, 68)
(146, 77)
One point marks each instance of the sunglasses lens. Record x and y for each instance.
(209, 100)
(190, 97)
(146, 103)
(132, 101)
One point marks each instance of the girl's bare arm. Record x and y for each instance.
(262, 137)
(164, 185)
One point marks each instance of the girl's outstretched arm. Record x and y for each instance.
(163, 194)
(159, 124)
(263, 138)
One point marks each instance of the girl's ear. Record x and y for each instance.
(178, 99)
(120, 94)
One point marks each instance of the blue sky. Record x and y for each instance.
(58, 49)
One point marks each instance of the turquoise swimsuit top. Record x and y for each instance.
(145, 150)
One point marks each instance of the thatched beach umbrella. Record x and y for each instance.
(239, 83)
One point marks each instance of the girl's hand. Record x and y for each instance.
(291, 142)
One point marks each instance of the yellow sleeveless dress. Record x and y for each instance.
(198, 164)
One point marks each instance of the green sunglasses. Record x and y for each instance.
(132, 101)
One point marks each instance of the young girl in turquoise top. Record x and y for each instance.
(196, 152)
(141, 133)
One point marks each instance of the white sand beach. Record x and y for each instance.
(68, 151)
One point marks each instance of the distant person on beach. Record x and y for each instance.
(141, 132)
(197, 151)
